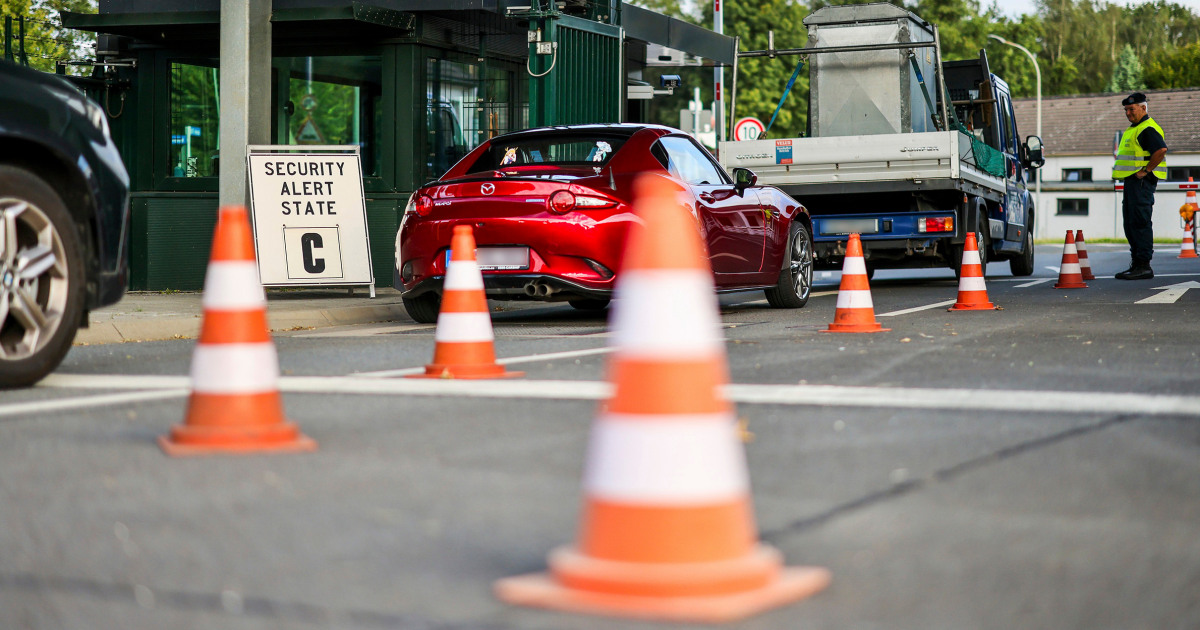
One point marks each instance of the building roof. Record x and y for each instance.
(1087, 124)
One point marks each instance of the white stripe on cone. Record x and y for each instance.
(640, 329)
(459, 327)
(682, 460)
(971, 283)
(971, 257)
(854, 266)
(232, 286)
(854, 299)
(235, 368)
(463, 275)
(1070, 268)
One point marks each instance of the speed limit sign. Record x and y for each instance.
(748, 129)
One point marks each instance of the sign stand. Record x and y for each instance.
(309, 215)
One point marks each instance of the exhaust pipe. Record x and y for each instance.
(531, 289)
(538, 289)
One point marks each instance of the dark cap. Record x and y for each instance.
(1134, 99)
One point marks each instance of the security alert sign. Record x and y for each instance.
(310, 219)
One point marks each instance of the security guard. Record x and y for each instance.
(1141, 163)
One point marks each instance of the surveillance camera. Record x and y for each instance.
(670, 81)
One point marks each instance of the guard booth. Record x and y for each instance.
(416, 84)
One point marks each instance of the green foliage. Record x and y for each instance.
(1127, 73)
(1174, 68)
(46, 41)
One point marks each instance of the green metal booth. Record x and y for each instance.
(414, 83)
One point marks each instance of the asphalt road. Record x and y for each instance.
(1033, 467)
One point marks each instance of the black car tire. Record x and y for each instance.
(983, 240)
(41, 278)
(589, 304)
(794, 286)
(1022, 265)
(423, 308)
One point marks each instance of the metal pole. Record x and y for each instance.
(1037, 71)
(719, 79)
(245, 87)
(737, 42)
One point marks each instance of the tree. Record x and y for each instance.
(1174, 68)
(46, 41)
(1127, 72)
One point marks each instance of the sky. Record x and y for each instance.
(1017, 7)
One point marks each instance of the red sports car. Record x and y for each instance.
(550, 209)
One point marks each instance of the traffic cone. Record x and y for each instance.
(855, 311)
(1085, 266)
(235, 405)
(1187, 249)
(668, 527)
(463, 337)
(972, 291)
(1069, 274)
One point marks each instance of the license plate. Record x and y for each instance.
(500, 258)
(849, 226)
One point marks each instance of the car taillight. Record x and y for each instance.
(585, 201)
(561, 202)
(424, 205)
(936, 224)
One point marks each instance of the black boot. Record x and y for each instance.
(1138, 270)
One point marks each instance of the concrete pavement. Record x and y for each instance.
(150, 315)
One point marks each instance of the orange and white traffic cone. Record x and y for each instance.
(668, 527)
(855, 311)
(464, 341)
(1187, 249)
(1069, 274)
(1085, 265)
(972, 291)
(235, 405)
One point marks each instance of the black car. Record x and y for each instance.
(64, 220)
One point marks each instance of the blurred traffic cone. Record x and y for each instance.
(1187, 249)
(1085, 265)
(855, 311)
(1069, 274)
(668, 527)
(235, 405)
(972, 291)
(463, 337)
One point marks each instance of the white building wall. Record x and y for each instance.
(1104, 207)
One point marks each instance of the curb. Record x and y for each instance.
(188, 327)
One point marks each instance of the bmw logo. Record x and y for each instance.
(487, 188)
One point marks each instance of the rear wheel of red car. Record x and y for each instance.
(423, 308)
(41, 278)
(796, 277)
(589, 304)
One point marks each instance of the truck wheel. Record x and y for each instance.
(983, 239)
(1023, 265)
(423, 308)
(795, 279)
(41, 278)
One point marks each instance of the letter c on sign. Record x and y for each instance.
(309, 242)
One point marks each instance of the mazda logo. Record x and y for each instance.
(487, 188)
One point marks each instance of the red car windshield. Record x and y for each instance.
(549, 150)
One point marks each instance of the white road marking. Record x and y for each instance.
(1023, 401)
(1033, 283)
(1054, 269)
(34, 408)
(914, 310)
(550, 356)
(1170, 294)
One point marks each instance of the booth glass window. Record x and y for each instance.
(1077, 174)
(194, 120)
(466, 105)
(337, 100)
(1182, 173)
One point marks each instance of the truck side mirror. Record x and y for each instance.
(1033, 152)
(743, 178)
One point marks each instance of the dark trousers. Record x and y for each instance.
(1138, 205)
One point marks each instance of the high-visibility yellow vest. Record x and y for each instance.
(1131, 158)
